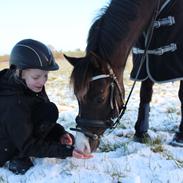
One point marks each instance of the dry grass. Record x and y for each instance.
(4, 64)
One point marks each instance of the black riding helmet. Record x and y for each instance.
(32, 54)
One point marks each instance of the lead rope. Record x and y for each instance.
(147, 44)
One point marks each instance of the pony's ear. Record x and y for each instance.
(73, 60)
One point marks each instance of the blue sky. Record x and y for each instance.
(63, 24)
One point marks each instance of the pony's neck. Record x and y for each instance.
(146, 12)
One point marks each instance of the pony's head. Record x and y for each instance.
(100, 97)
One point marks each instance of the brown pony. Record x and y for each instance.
(97, 78)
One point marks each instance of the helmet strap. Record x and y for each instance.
(20, 74)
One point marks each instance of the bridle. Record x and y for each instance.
(82, 124)
(111, 122)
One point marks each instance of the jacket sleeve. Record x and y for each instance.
(56, 132)
(20, 131)
(39, 148)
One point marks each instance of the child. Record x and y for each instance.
(28, 125)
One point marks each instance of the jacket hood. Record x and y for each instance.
(9, 85)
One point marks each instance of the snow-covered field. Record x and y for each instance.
(118, 159)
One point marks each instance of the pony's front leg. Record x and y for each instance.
(142, 124)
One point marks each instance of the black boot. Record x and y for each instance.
(142, 138)
(181, 123)
(177, 139)
(142, 124)
(20, 165)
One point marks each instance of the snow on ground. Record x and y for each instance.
(118, 159)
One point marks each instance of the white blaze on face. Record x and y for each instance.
(82, 143)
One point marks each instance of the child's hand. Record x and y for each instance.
(80, 155)
(66, 139)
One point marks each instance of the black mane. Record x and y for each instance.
(111, 27)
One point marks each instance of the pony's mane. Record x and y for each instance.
(111, 26)
(80, 78)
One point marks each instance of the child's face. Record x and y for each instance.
(35, 79)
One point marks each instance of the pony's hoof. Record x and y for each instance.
(142, 138)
